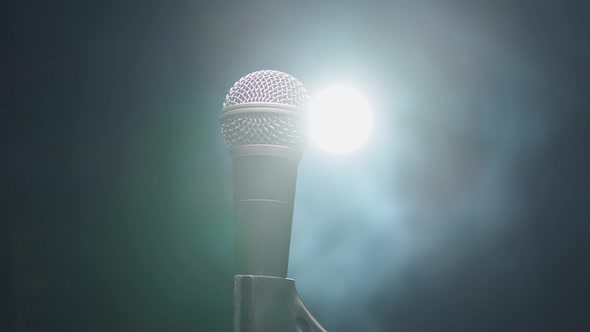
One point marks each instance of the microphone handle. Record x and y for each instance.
(264, 192)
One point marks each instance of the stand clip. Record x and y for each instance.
(270, 304)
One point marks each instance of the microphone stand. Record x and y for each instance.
(270, 304)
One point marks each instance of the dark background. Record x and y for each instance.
(116, 200)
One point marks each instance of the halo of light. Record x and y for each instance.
(340, 120)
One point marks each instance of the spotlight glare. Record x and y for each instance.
(341, 120)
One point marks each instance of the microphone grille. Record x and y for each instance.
(268, 86)
(264, 128)
(272, 87)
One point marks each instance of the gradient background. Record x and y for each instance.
(463, 212)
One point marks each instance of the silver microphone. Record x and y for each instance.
(264, 126)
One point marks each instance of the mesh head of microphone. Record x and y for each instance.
(276, 90)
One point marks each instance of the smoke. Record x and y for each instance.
(436, 183)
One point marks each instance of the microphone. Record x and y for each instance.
(264, 126)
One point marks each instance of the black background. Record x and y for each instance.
(117, 189)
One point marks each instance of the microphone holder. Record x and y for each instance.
(270, 304)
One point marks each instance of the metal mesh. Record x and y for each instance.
(268, 86)
(264, 128)
(271, 87)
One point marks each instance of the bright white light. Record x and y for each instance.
(341, 120)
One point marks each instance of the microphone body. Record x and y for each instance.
(264, 190)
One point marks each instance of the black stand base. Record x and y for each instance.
(270, 304)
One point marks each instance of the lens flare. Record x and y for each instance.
(341, 120)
